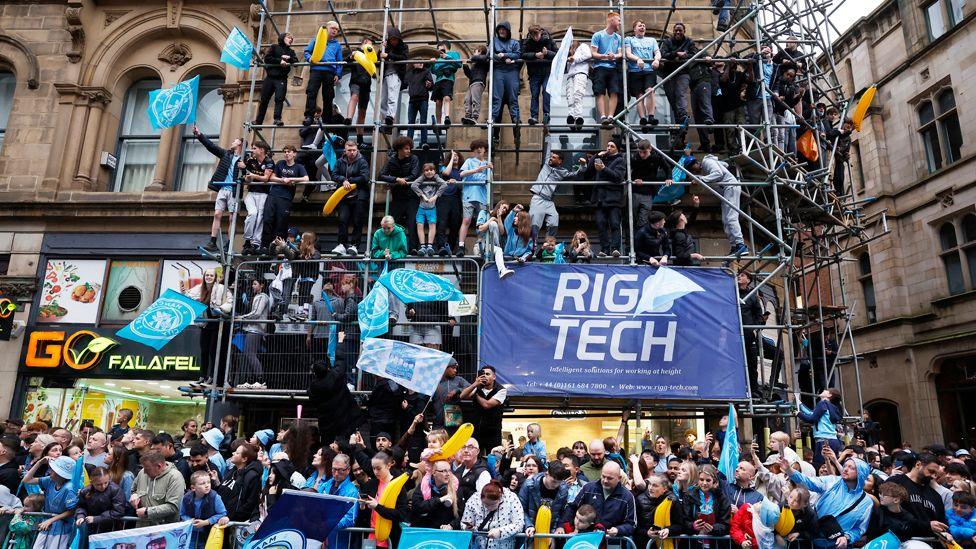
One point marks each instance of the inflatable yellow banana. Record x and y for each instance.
(364, 60)
(389, 499)
(543, 525)
(216, 538)
(862, 107)
(662, 519)
(785, 523)
(321, 42)
(455, 443)
(337, 196)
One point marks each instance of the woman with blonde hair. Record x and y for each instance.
(434, 502)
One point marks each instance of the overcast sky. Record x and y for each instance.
(852, 10)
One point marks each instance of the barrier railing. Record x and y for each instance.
(526, 542)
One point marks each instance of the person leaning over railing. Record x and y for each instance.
(101, 504)
(60, 499)
(157, 491)
(841, 498)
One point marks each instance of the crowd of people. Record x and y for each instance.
(727, 90)
(54, 481)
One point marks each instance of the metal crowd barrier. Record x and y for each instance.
(231, 540)
(622, 542)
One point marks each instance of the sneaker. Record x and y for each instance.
(643, 121)
(279, 123)
(653, 121)
(347, 121)
(211, 247)
(570, 120)
(533, 121)
(388, 121)
(602, 254)
(445, 251)
(605, 122)
(259, 385)
(739, 249)
(425, 147)
(722, 27)
(545, 119)
(505, 273)
(339, 250)
(351, 250)
(447, 121)
(468, 121)
(460, 251)
(247, 248)
(307, 122)
(244, 385)
(615, 253)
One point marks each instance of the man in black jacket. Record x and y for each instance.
(399, 172)
(338, 413)
(538, 51)
(277, 65)
(351, 169)
(674, 52)
(241, 491)
(608, 198)
(645, 166)
(752, 314)
(222, 181)
(652, 243)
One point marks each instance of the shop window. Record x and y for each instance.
(138, 144)
(867, 287)
(7, 83)
(956, 254)
(196, 163)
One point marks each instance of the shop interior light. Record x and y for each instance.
(108, 384)
(141, 397)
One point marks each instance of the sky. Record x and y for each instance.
(852, 10)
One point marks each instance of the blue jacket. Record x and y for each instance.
(617, 511)
(835, 497)
(538, 449)
(514, 246)
(511, 48)
(339, 539)
(445, 68)
(961, 528)
(531, 496)
(333, 54)
(823, 417)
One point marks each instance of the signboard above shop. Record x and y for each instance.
(98, 352)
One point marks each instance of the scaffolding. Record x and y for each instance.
(799, 232)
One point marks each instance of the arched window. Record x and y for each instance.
(969, 245)
(938, 124)
(955, 253)
(7, 83)
(867, 286)
(196, 163)
(138, 143)
(930, 136)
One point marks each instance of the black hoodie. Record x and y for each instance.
(272, 59)
(530, 47)
(400, 52)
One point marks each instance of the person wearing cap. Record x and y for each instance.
(446, 399)
(157, 491)
(60, 499)
(12, 426)
(212, 439)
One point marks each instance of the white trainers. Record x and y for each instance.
(259, 385)
(351, 250)
(505, 273)
(244, 386)
(339, 250)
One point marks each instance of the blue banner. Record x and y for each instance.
(432, 538)
(417, 368)
(175, 106)
(886, 541)
(163, 320)
(374, 312)
(300, 519)
(626, 331)
(589, 540)
(728, 460)
(413, 286)
(168, 536)
(237, 50)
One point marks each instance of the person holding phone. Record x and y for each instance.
(488, 397)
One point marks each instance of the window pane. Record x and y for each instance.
(933, 156)
(198, 166)
(7, 83)
(137, 161)
(926, 113)
(955, 8)
(947, 236)
(952, 136)
(935, 17)
(969, 228)
(946, 100)
(953, 267)
(210, 110)
(971, 263)
(864, 263)
(137, 102)
(870, 305)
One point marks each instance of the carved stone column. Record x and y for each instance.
(163, 174)
(87, 173)
(72, 14)
(232, 94)
(63, 167)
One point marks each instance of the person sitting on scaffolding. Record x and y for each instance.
(606, 46)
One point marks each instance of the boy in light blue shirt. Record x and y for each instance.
(474, 194)
(606, 46)
(643, 57)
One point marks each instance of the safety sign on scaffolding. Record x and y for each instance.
(622, 331)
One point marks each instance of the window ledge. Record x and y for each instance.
(954, 298)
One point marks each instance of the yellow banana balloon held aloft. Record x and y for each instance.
(388, 499)
(455, 443)
(862, 107)
(785, 523)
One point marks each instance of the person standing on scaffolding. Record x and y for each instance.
(643, 57)
(323, 73)
(508, 53)
(538, 51)
(674, 52)
(607, 47)
(394, 51)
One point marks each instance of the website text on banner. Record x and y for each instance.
(625, 331)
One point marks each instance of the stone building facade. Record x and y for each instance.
(915, 289)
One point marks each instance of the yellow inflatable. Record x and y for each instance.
(366, 58)
(337, 196)
(388, 499)
(662, 519)
(543, 525)
(862, 107)
(454, 443)
(216, 538)
(785, 523)
(321, 42)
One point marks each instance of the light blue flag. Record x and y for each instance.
(589, 540)
(412, 286)
(417, 368)
(163, 320)
(175, 106)
(729, 459)
(432, 538)
(237, 50)
(885, 541)
(374, 312)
